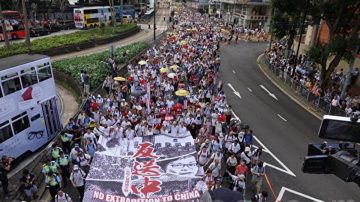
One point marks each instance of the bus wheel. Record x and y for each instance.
(14, 37)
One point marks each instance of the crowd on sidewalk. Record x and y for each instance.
(184, 94)
(307, 75)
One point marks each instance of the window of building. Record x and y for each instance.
(11, 83)
(5, 131)
(20, 122)
(28, 77)
(44, 73)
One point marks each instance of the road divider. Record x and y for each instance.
(271, 94)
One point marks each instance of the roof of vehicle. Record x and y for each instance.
(13, 61)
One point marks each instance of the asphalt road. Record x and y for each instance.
(283, 126)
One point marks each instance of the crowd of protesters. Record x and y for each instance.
(185, 95)
(307, 75)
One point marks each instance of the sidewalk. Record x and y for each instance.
(287, 90)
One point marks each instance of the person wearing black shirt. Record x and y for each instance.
(5, 166)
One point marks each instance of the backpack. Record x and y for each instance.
(66, 197)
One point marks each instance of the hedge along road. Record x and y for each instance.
(62, 32)
(144, 35)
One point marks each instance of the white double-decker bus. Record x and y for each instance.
(29, 116)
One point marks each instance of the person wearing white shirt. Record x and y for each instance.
(129, 133)
(246, 155)
(235, 147)
(61, 196)
(182, 129)
(215, 168)
(229, 139)
(89, 135)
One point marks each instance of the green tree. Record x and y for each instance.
(34, 9)
(343, 20)
(26, 24)
(286, 18)
(62, 4)
(112, 10)
(3, 26)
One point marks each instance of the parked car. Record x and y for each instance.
(39, 31)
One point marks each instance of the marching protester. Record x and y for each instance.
(175, 90)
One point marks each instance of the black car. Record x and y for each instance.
(39, 31)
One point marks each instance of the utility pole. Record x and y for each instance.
(155, 1)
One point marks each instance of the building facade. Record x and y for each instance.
(248, 13)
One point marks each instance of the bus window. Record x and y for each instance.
(90, 11)
(28, 77)
(44, 73)
(1, 92)
(20, 122)
(5, 131)
(11, 85)
(92, 20)
(35, 117)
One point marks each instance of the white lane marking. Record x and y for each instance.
(234, 91)
(284, 189)
(285, 169)
(234, 71)
(271, 94)
(237, 94)
(281, 117)
(249, 89)
(230, 86)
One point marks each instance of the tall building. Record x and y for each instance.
(248, 13)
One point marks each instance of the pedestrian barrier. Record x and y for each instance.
(322, 104)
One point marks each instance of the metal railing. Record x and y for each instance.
(322, 104)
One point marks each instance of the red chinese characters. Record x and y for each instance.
(149, 186)
(146, 168)
(145, 151)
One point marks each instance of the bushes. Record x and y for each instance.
(96, 64)
(59, 41)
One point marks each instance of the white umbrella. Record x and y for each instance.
(142, 62)
(171, 75)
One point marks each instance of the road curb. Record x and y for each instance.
(296, 100)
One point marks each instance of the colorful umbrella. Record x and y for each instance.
(119, 78)
(182, 93)
(175, 66)
(164, 70)
(183, 42)
(142, 62)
